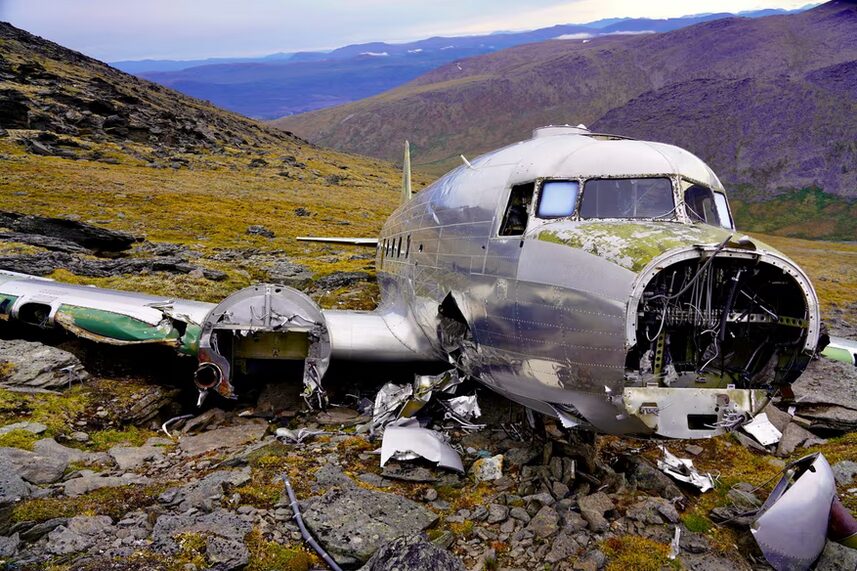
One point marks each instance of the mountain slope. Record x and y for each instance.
(284, 84)
(217, 196)
(769, 102)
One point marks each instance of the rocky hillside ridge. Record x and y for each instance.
(211, 200)
(46, 87)
(770, 103)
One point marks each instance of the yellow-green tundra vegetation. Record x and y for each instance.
(207, 205)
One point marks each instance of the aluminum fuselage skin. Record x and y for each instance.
(550, 321)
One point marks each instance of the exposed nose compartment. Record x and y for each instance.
(712, 333)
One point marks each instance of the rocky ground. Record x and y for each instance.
(88, 481)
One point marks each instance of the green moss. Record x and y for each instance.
(19, 439)
(626, 552)
(58, 412)
(696, 522)
(131, 435)
(270, 556)
(191, 551)
(113, 502)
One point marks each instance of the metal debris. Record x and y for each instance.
(409, 441)
(682, 470)
(296, 436)
(762, 430)
(675, 544)
(393, 402)
(792, 527)
(173, 421)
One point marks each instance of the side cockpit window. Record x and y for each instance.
(558, 198)
(704, 205)
(627, 198)
(517, 210)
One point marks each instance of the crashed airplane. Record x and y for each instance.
(590, 277)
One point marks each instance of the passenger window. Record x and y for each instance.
(408, 247)
(399, 247)
(558, 198)
(517, 211)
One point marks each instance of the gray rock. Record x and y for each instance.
(522, 456)
(645, 477)
(78, 534)
(259, 230)
(89, 481)
(779, 418)
(653, 511)
(563, 547)
(826, 394)
(228, 437)
(226, 553)
(836, 557)
(793, 436)
(352, 524)
(497, 513)
(9, 545)
(34, 365)
(486, 469)
(287, 273)
(845, 472)
(519, 514)
(35, 468)
(131, 457)
(574, 521)
(39, 530)
(593, 508)
(50, 447)
(408, 473)
(412, 554)
(545, 523)
(34, 427)
(224, 533)
(62, 541)
(202, 494)
(12, 489)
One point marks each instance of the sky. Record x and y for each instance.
(113, 30)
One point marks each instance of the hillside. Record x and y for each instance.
(284, 84)
(209, 190)
(770, 103)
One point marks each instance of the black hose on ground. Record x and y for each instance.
(296, 510)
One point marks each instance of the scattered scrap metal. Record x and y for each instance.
(682, 469)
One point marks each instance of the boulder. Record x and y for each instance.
(33, 467)
(51, 448)
(228, 437)
(826, 394)
(654, 511)
(9, 546)
(131, 457)
(646, 478)
(89, 481)
(224, 533)
(86, 235)
(12, 489)
(593, 509)
(793, 436)
(487, 469)
(34, 365)
(413, 553)
(34, 427)
(201, 494)
(292, 275)
(836, 557)
(845, 472)
(78, 534)
(545, 523)
(353, 523)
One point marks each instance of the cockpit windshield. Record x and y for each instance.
(704, 205)
(627, 198)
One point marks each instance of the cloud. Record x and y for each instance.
(578, 36)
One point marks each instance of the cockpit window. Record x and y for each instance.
(704, 205)
(627, 198)
(558, 198)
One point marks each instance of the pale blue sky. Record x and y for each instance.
(114, 30)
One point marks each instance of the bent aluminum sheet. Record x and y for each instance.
(410, 438)
(762, 430)
(792, 529)
(682, 469)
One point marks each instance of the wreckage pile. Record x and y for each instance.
(405, 480)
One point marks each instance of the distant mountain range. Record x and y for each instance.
(287, 83)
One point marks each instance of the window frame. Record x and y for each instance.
(668, 177)
(537, 201)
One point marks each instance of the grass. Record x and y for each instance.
(268, 555)
(806, 213)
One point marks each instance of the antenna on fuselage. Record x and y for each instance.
(406, 174)
(465, 161)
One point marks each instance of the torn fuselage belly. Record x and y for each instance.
(270, 328)
(712, 335)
